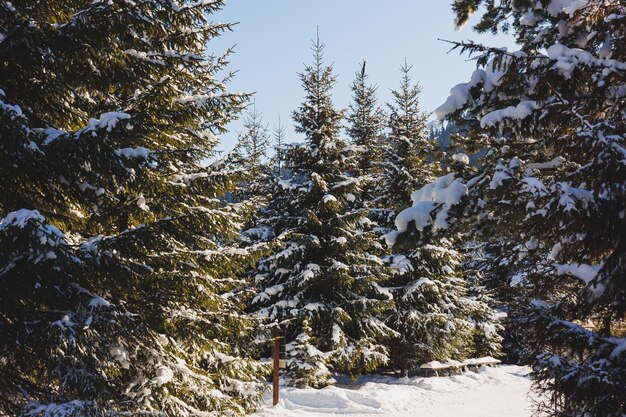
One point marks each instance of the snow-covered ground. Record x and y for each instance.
(492, 392)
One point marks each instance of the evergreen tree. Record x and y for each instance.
(253, 143)
(553, 115)
(406, 160)
(119, 261)
(279, 132)
(307, 364)
(365, 124)
(325, 271)
(250, 157)
(435, 315)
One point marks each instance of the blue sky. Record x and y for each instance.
(273, 39)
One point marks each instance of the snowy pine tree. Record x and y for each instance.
(279, 133)
(325, 272)
(407, 150)
(306, 365)
(119, 263)
(365, 124)
(435, 315)
(554, 114)
(250, 158)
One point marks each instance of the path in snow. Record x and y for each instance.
(492, 392)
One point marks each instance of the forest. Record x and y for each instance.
(142, 271)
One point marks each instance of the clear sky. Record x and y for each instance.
(273, 39)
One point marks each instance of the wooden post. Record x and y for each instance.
(276, 355)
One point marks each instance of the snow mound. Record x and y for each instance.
(331, 400)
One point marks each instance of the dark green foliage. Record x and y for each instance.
(322, 283)
(365, 124)
(119, 258)
(554, 181)
(407, 149)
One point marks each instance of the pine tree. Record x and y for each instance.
(119, 260)
(325, 272)
(250, 157)
(253, 143)
(406, 155)
(307, 364)
(365, 124)
(279, 132)
(435, 315)
(553, 113)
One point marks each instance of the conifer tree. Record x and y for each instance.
(553, 115)
(435, 315)
(307, 364)
(365, 124)
(119, 261)
(279, 133)
(253, 143)
(406, 156)
(325, 272)
(250, 157)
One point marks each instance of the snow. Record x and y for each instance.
(460, 95)
(516, 279)
(492, 392)
(444, 192)
(120, 354)
(567, 59)
(329, 198)
(199, 100)
(461, 158)
(432, 365)
(584, 272)
(97, 302)
(556, 7)
(519, 112)
(164, 375)
(106, 121)
(20, 218)
(620, 347)
(420, 214)
(131, 153)
(529, 19)
(552, 164)
(71, 408)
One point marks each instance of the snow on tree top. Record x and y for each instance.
(20, 218)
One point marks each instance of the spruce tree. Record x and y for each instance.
(325, 272)
(307, 364)
(279, 133)
(407, 150)
(119, 261)
(365, 124)
(250, 157)
(254, 142)
(435, 314)
(553, 115)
